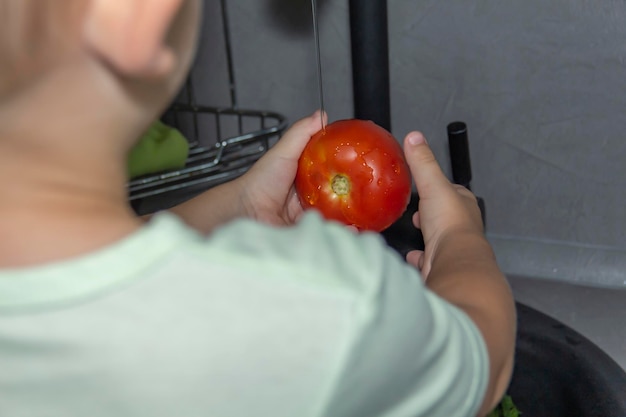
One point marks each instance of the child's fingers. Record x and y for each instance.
(416, 259)
(424, 167)
(298, 135)
(352, 229)
(416, 220)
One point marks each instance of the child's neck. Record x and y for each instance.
(50, 211)
(49, 229)
(62, 165)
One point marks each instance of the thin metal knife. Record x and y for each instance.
(320, 83)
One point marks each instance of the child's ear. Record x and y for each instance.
(130, 34)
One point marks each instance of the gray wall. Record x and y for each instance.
(541, 85)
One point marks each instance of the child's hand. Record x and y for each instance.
(444, 208)
(265, 193)
(459, 264)
(268, 194)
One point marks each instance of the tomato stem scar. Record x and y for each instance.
(340, 184)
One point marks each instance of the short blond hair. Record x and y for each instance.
(34, 34)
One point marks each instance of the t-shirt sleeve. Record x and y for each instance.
(404, 351)
(409, 353)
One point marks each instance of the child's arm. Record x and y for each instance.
(264, 193)
(459, 265)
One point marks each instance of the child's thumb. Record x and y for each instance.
(426, 172)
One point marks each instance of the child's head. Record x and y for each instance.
(34, 35)
(138, 42)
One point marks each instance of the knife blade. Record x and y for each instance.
(318, 57)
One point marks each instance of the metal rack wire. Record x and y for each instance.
(239, 137)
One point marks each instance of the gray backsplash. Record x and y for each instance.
(541, 85)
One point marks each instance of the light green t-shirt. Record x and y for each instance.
(310, 320)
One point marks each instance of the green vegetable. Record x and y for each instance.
(161, 148)
(506, 408)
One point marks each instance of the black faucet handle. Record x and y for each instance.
(458, 145)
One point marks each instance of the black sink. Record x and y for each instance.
(558, 372)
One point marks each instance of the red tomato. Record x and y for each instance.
(354, 172)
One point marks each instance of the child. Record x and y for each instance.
(235, 303)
